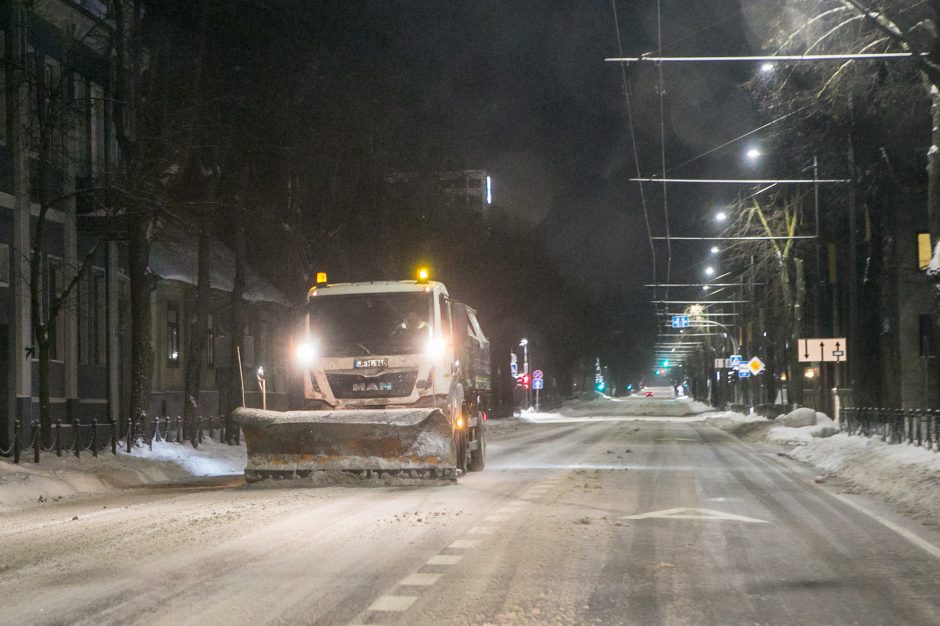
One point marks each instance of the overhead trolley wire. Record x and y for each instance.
(636, 154)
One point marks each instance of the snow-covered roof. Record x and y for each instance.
(174, 256)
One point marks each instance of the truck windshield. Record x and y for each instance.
(359, 325)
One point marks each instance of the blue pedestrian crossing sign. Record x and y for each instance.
(537, 383)
(735, 360)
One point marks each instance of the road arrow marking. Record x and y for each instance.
(689, 513)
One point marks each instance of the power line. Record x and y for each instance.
(636, 154)
(745, 181)
(766, 58)
(662, 137)
(750, 238)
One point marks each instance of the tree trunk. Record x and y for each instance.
(197, 336)
(239, 317)
(141, 331)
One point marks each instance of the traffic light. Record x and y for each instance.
(665, 363)
(600, 386)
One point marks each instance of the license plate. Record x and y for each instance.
(366, 363)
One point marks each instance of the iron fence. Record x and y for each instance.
(94, 437)
(912, 426)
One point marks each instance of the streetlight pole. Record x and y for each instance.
(525, 370)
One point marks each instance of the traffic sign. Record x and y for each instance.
(722, 364)
(537, 374)
(513, 358)
(680, 321)
(538, 383)
(756, 366)
(833, 349)
(744, 372)
(735, 360)
(514, 369)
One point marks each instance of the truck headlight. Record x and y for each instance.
(306, 354)
(436, 346)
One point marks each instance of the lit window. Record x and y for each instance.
(172, 334)
(924, 250)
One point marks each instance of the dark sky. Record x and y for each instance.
(521, 89)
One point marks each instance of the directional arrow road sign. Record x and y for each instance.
(816, 350)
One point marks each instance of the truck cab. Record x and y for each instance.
(397, 345)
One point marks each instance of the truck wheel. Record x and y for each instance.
(478, 456)
(462, 450)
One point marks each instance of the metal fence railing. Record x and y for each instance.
(94, 437)
(912, 426)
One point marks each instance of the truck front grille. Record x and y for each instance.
(387, 385)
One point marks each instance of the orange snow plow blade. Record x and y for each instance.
(363, 444)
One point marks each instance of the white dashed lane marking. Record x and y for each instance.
(421, 580)
(445, 559)
(393, 603)
(464, 544)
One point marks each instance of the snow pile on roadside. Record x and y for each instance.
(738, 424)
(902, 474)
(633, 405)
(56, 477)
(209, 459)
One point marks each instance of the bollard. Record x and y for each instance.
(76, 438)
(37, 440)
(114, 438)
(58, 438)
(94, 437)
(16, 441)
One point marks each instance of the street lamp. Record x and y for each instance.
(715, 250)
(524, 344)
(709, 271)
(753, 154)
(721, 216)
(767, 67)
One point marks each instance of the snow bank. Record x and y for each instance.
(56, 477)
(905, 475)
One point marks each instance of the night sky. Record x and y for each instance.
(522, 90)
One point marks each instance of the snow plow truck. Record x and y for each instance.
(396, 379)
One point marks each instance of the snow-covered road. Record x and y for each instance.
(612, 521)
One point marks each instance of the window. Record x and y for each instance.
(55, 283)
(172, 334)
(96, 130)
(80, 109)
(92, 318)
(4, 265)
(210, 341)
(924, 250)
(101, 318)
(445, 315)
(925, 323)
(3, 89)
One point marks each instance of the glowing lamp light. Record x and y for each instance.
(423, 274)
(721, 216)
(436, 346)
(753, 153)
(767, 67)
(709, 271)
(715, 250)
(306, 354)
(321, 278)
(460, 422)
(809, 373)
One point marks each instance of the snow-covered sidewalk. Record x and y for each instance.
(55, 478)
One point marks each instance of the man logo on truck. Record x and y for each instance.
(372, 386)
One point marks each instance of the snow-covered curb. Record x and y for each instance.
(55, 477)
(903, 474)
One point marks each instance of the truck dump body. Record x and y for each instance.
(389, 443)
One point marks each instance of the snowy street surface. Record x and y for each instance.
(607, 512)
